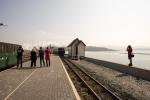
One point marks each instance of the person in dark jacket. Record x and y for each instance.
(41, 55)
(129, 50)
(33, 57)
(19, 56)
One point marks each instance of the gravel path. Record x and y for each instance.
(125, 86)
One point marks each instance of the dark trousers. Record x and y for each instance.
(19, 61)
(48, 62)
(42, 61)
(33, 62)
(130, 58)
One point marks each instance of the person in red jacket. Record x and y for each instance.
(47, 56)
(129, 50)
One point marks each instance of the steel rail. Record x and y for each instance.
(115, 97)
(96, 97)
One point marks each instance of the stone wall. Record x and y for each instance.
(137, 72)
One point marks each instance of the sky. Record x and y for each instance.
(96, 22)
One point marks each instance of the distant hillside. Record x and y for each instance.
(93, 48)
(88, 48)
(145, 49)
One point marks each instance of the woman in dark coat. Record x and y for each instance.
(33, 58)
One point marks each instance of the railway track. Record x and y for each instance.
(95, 89)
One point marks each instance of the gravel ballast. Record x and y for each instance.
(125, 86)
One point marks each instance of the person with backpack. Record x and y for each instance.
(41, 55)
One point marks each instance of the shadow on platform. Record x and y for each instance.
(26, 68)
(122, 75)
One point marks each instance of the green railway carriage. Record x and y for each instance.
(8, 54)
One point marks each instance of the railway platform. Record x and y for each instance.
(40, 83)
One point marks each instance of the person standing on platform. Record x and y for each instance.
(47, 56)
(33, 57)
(130, 54)
(41, 55)
(19, 56)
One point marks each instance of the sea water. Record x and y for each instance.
(141, 59)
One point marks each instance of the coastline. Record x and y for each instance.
(121, 57)
(138, 53)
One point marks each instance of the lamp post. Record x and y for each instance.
(1, 24)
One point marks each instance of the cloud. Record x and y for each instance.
(29, 46)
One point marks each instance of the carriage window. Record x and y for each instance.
(0, 48)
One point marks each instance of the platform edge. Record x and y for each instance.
(71, 83)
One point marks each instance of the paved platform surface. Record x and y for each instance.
(41, 83)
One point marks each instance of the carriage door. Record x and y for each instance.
(76, 51)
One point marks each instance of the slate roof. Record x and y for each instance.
(73, 42)
(79, 41)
